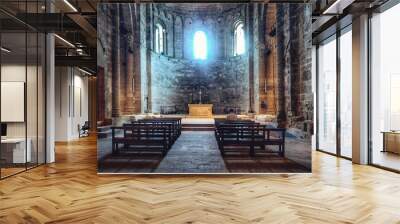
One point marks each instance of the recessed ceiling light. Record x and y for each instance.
(84, 71)
(64, 40)
(5, 50)
(338, 6)
(70, 5)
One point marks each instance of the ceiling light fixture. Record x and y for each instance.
(70, 5)
(84, 71)
(337, 7)
(5, 50)
(65, 41)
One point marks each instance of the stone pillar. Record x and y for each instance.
(149, 37)
(123, 56)
(294, 76)
(281, 64)
(101, 101)
(287, 72)
(306, 97)
(137, 81)
(92, 91)
(269, 90)
(250, 48)
(116, 69)
(129, 84)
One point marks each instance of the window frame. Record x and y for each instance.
(336, 36)
(160, 38)
(196, 55)
(236, 26)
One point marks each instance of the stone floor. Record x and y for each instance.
(197, 152)
(193, 152)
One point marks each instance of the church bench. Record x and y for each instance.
(175, 124)
(141, 136)
(151, 130)
(233, 124)
(250, 135)
(239, 136)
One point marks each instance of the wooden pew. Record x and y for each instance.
(248, 134)
(145, 136)
(175, 124)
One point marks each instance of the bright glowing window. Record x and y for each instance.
(239, 40)
(159, 39)
(200, 45)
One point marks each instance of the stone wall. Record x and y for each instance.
(174, 78)
(289, 43)
(119, 80)
(177, 82)
(273, 77)
(181, 23)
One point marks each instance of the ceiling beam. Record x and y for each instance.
(84, 24)
(81, 61)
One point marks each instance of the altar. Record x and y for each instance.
(200, 110)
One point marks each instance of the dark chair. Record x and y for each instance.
(84, 129)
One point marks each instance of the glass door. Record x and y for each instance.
(22, 77)
(14, 144)
(346, 92)
(327, 96)
(385, 89)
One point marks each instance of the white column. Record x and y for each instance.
(50, 101)
(314, 90)
(360, 90)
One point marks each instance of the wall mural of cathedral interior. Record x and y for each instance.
(204, 88)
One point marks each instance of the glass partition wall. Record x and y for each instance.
(385, 89)
(327, 95)
(334, 86)
(22, 76)
(346, 71)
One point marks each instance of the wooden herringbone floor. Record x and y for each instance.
(70, 191)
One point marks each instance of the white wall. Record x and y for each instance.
(33, 126)
(71, 102)
(16, 73)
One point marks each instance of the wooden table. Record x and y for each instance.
(200, 110)
(391, 141)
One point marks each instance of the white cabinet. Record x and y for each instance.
(16, 147)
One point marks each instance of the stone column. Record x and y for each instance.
(149, 37)
(281, 62)
(270, 86)
(250, 48)
(92, 96)
(116, 70)
(296, 36)
(129, 84)
(288, 64)
(137, 81)
(123, 71)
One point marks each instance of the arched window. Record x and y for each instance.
(159, 39)
(239, 39)
(200, 45)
